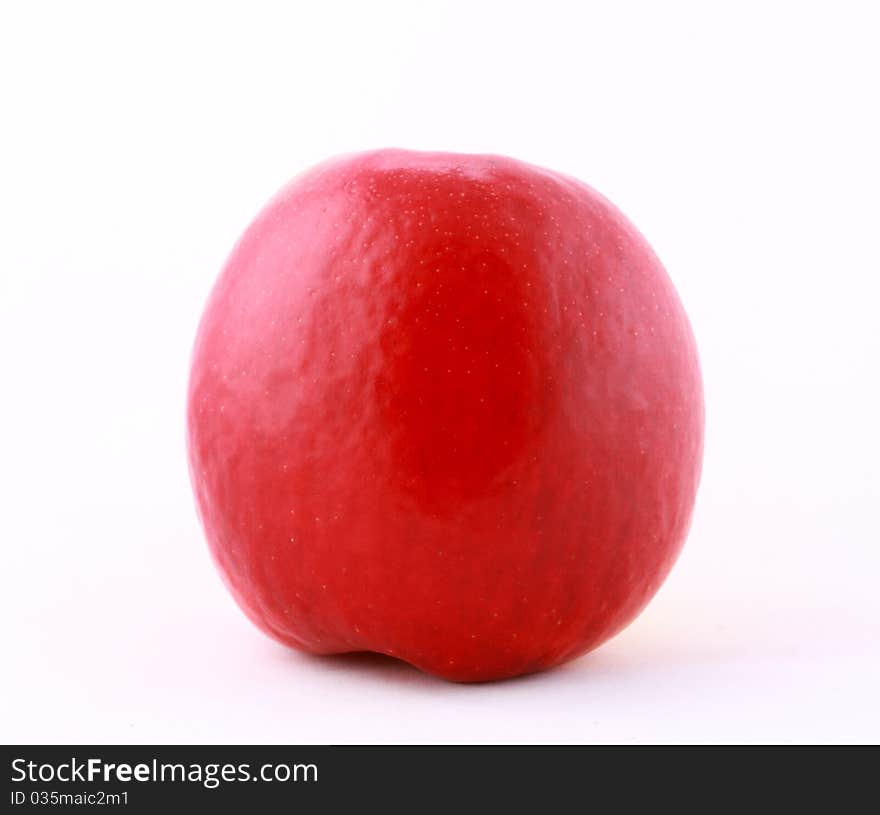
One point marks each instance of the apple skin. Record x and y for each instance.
(447, 408)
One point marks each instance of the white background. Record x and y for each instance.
(137, 143)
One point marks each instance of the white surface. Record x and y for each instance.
(136, 146)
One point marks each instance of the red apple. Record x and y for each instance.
(447, 408)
